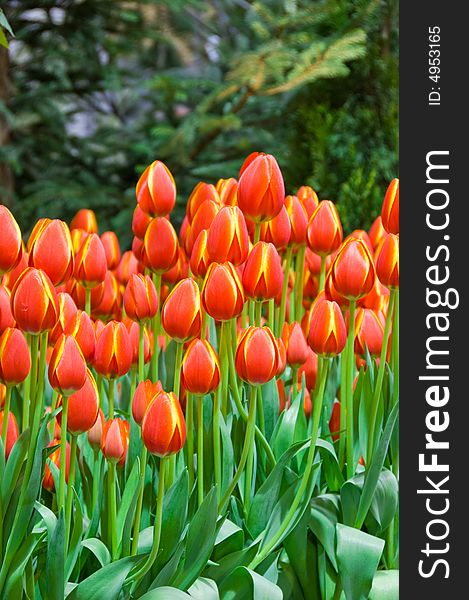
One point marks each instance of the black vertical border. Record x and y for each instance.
(424, 128)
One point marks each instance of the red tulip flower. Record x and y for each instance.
(353, 270)
(34, 302)
(112, 249)
(163, 426)
(390, 208)
(222, 292)
(324, 229)
(228, 191)
(127, 266)
(200, 259)
(91, 262)
(134, 333)
(181, 315)
(377, 233)
(298, 219)
(257, 355)
(369, 331)
(115, 440)
(67, 367)
(48, 480)
(263, 275)
(327, 334)
(278, 230)
(295, 344)
(6, 316)
(113, 352)
(143, 397)
(156, 190)
(50, 248)
(83, 407)
(140, 222)
(12, 432)
(228, 238)
(140, 298)
(387, 263)
(334, 421)
(201, 193)
(95, 433)
(15, 361)
(68, 313)
(310, 370)
(200, 368)
(160, 246)
(308, 198)
(85, 219)
(11, 246)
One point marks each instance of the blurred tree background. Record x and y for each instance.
(91, 91)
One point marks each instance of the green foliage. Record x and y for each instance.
(102, 88)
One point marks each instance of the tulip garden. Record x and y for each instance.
(212, 414)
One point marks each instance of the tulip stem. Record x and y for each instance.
(272, 314)
(133, 385)
(300, 276)
(88, 301)
(141, 352)
(138, 512)
(71, 483)
(200, 449)
(257, 233)
(258, 313)
(250, 458)
(224, 366)
(317, 410)
(112, 390)
(395, 347)
(96, 478)
(343, 407)
(216, 440)
(26, 393)
(63, 453)
(190, 437)
(34, 349)
(177, 368)
(349, 390)
(283, 301)
(112, 517)
(6, 410)
(251, 423)
(157, 528)
(156, 329)
(322, 275)
(379, 380)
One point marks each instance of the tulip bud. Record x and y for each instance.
(310, 370)
(111, 301)
(111, 249)
(353, 270)
(10, 278)
(34, 302)
(324, 232)
(377, 299)
(160, 246)
(143, 397)
(201, 193)
(361, 234)
(11, 247)
(181, 314)
(387, 263)
(15, 361)
(95, 433)
(390, 208)
(90, 262)
(85, 219)
(12, 432)
(263, 275)
(200, 368)
(222, 292)
(127, 267)
(295, 344)
(113, 352)
(203, 219)
(6, 317)
(50, 249)
(327, 334)
(115, 440)
(298, 219)
(140, 298)
(3, 393)
(334, 421)
(163, 426)
(369, 332)
(48, 480)
(156, 190)
(228, 190)
(84, 334)
(179, 271)
(68, 313)
(228, 238)
(134, 334)
(140, 222)
(277, 230)
(257, 355)
(282, 357)
(67, 367)
(377, 233)
(83, 407)
(200, 259)
(308, 198)
(261, 190)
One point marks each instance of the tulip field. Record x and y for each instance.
(212, 414)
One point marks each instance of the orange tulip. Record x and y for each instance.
(10, 278)
(334, 421)
(156, 190)
(361, 234)
(298, 219)
(324, 232)
(113, 352)
(143, 397)
(15, 361)
(83, 407)
(179, 271)
(200, 368)
(3, 393)
(78, 293)
(67, 367)
(6, 317)
(34, 302)
(327, 334)
(12, 432)
(112, 249)
(203, 219)
(282, 357)
(263, 275)
(310, 369)
(54, 457)
(200, 259)
(163, 426)
(353, 270)
(95, 433)
(181, 315)
(277, 230)
(228, 190)
(369, 331)
(390, 208)
(140, 298)
(90, 262)
(261, 190)
(201, 193)
(68, 313)
(257, 355)
(222, 292)
(115, 440)
(111, 302)
(140, 222)
(308, 198)
(160, 246)
(295, 344)
(387, 263)
(11, 246)
(228, 238)
(50, 249)
(127, 266)
(134, 333)
(85, 219)
(84, 334)
(377, 299)
(377, 232)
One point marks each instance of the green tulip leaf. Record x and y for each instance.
(325, 514)
(244, 584)
(230, 538)
(106, 583)
(98, 549)
(385, 586)
(165, 593)
(204, 589)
